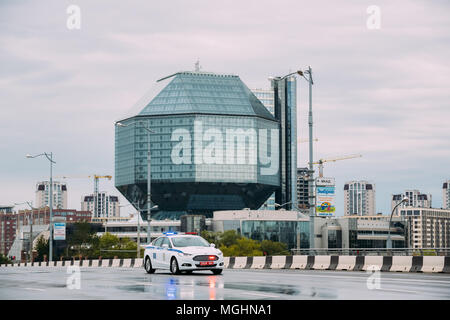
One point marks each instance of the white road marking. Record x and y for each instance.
(260, 294)
(396, 290)
(35, 289)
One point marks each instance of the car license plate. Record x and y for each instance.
(206, 263)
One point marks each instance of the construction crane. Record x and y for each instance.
(322, 161)
(96, 178)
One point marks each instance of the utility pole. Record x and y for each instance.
(312, 205)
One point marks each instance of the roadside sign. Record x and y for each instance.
(59, 231)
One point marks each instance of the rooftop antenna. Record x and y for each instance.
(197, 66)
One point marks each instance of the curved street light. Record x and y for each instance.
(389, 240)
(49, 157)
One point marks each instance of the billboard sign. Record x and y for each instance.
(325, 197)
(59, 231)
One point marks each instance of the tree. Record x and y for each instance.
(42, 248)
(243, 247)
(271, 248)
(229, 238)
(82, 239)
(4, 259)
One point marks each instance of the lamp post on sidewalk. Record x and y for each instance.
(49, 157)
(389, 240)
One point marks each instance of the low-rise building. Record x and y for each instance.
(289, 227)
(353, 232)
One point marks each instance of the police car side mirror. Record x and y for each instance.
(212, 245)
(165, 246)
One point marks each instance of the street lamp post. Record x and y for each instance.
(312, 206)
(49, 157)
(389, 240)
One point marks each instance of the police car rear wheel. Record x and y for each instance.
(148, 265)
(174, 266)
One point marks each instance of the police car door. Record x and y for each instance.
(165, 256)
(156, 253)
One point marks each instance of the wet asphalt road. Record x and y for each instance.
(124, 283)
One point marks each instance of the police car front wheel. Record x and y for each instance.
(174, 266)
(148, 265)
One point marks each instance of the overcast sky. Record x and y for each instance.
(383, 93)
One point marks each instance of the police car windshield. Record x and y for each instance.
(189, 242)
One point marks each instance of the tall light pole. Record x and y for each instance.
(389, 240)
(149, 182)
(49, 157)
(312, 206)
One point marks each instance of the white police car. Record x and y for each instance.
(182, 252)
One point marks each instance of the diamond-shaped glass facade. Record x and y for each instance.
(197, 105)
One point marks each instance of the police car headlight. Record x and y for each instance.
(219, 253)
(182, 254)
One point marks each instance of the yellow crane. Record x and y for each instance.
(322, 161)
(96, 178)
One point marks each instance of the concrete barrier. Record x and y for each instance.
(371, 262)
(278, 262)
(401, 263)
(226, 262)
(433, 264)
(240, 262)
(346, 263)
(299, 262)
(126, 263)
(115, 263)
(321, 262)
(258, 262)
(138, 263)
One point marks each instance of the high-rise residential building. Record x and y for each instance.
(359, 198)
(303, 181)
(446, 195)
(107, 206)
(285, 107)
(415, 199)
(59, 194)
(427, 227)
(205, 153)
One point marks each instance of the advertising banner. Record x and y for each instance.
(325, 197)
(59, 231)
